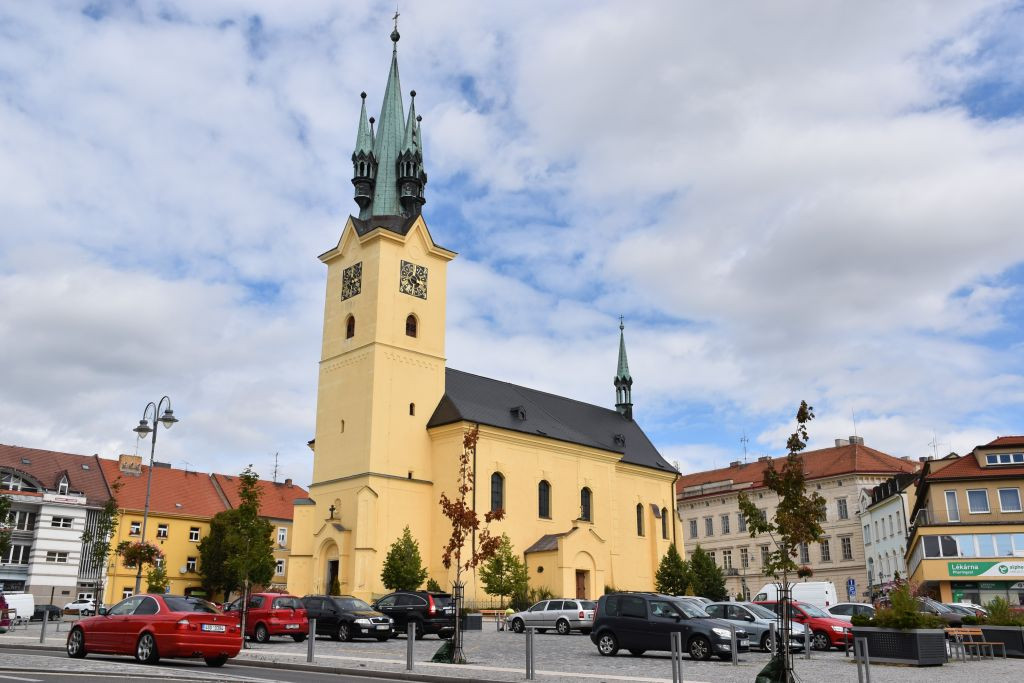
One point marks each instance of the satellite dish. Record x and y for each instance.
(183, 570)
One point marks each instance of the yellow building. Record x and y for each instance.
(967, 537)
(588, 499)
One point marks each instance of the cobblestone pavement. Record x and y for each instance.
(501, 657)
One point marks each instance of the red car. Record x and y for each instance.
(155, 626)
(828, 631)
(272, 614)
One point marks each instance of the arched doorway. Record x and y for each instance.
(330, 568)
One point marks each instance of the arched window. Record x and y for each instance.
(62, 487)
(410, 326)
(544, 499)
(664, 522)
(497, 492)
(585, 506)
(639, 519)
(350, 327)
(412, 408)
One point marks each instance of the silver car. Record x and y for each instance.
(562, 615)
(756, 620)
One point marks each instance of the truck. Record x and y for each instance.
(20, 606)
(818, 593)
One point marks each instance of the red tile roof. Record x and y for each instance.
(174, 491)
(1004, 441)
(825, 462)
(84, 474)
(277, 498)
(967, 467)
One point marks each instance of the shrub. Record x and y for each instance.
(433, 586)
(903, 614)
(971, 621)
(1000, 614)
(862, 620)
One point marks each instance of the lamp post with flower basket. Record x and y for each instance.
(167, 419)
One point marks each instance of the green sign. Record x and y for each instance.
(1008, 569)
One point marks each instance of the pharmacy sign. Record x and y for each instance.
(1007, 569)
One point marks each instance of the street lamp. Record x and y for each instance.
(167, 419)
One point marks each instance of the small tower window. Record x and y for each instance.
(664, 522)
(585, 504)
(410, 326)
(639, 519)
(497, 492)
(544, 499)
(412, 408)
(350, 327)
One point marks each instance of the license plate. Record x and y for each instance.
(291, 626)
(383, 627)
(744, 643)
(216, 628)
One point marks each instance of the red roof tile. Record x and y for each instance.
(47, 467)
(967, 467)
(277, 498)
(1004, 441)
(825, 462)
(174, 491)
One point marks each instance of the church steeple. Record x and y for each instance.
(388, 164)
(623, 382)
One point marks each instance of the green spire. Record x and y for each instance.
(623, 382)
(364, 139)
(623, 371)
(388, 142)
(410, 143)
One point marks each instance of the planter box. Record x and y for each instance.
(1010, 636)
(472, 622)
(918, 647)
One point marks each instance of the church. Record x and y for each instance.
(588, 500)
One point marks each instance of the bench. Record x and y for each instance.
(972, 642)
(497, 614)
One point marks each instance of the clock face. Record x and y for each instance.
(351, 281)
(413, 280)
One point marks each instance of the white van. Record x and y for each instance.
(818, 593)
(21, 605)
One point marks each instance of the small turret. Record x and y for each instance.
(364, 163)
(623, 382)
(411, 177)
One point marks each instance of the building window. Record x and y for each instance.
(190, 564)
(639, 519)
(497, 492)
(764, 554)
(693, 528)
(714, 559)
(135, 529)
(727, 559)
(279, 569)
(877, 535)
(709, 526)
(741, 523)
(193, 534)
(585, 504)
(664, 523)
(744, 558)
(126, 592)
(824, 512)
(847, 546)
(544, 499)
(826, 551)
(56, 556)
(14, 482)
(725, 524)
(805, 554)
(350, 327)
(1009, 500)
(161, 531)
(891, 530)
(21, 520)
(410, 326)
(977, 501)
(62, 522)
(282, 536)
(867, 533)
(62, 487)
(952, 509)
(17, 554)
(841, 508)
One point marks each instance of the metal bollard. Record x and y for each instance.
(863, 659)
(846, 642)
(530, 674)
(46, 618)
(808, 637)
(734, 645)
(771, 636)
(311, 640)
(410, 639)
(677, 656)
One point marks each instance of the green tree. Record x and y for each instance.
(433, 586)
(504, 574)
(672, 577)
(706, 579)
(214, 572)
(403, 567)
(5, 525)
(156, 579)
(97, 541)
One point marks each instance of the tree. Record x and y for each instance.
(672, 577)
(433, 586)
(97, 541)
(215, 574)
(706, 578)
(5, 525)
(465, 523)
(403, 567)
(797, 520)
(156, 580)
(504, 574)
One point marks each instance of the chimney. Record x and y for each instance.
(905, 457)
(288, 483)
(734, 463)
(925, 458)
(857, 440)
(130, 464)
(842, 442)
(764, 458)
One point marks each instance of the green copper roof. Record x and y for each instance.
(623, 371)
(387, 146)
(364, 139)
(410, 143)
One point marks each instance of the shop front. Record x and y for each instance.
(982, 592)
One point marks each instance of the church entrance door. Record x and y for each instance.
(581, 585)
(332, 575)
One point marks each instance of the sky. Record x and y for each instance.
(786, 201)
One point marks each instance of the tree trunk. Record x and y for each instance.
(245, 610)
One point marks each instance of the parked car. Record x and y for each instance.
(697, 599)
(562, 615)
(756, 621)
(432, 612)
(952, 617)
(343, 617)
(847, 610)
(826, 630)
(272, 614)
(152, 627)
(639, 622)
(818, 593)
(971, 608)
(82, 606)
(53, 611)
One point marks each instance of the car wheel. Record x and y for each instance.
(562, 627)
(76, 643)
(145, 649)
(636, 652)
(700, 648)
(820, 641)
(219, 660)
(766, 642)
(518, 626)
(382, 637)
(261, 634)
(344, 632)
(608, 644)
(298, 637)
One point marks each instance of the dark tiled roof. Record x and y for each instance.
(546, 542)
(47, 466)
(499, 404)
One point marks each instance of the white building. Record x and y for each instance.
(884, 511)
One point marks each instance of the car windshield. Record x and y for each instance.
(813, 611)
(690, 609)
(177, 604)
(352, 604)
(762, 612)
(588, 604)
(286, 603)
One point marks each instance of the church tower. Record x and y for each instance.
(382, 361)
(623, 382)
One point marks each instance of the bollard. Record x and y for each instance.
(677, 656)
(46, 618)
(808, 637)
(771, 636)
(312, 639)
(846, 642)
(530, 674)
(862, 658)
(734, 645)
(410, 640)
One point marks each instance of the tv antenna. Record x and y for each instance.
(744, 440)
(853, 415)
(275, 467)
(934, 443)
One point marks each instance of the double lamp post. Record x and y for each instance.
(167, 419)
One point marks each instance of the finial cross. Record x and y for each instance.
(396, 16)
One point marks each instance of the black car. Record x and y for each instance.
(645, 621)
(432, 612)
(343, 617)
(52, 610)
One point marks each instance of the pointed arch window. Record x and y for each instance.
(585, 504)
(639, 519)
(544, 499)
(350, 327)
(410, 326)
(62, 487)
(664, 522)
(497, 492)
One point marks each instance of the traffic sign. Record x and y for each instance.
(851, 587)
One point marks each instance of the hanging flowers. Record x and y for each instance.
(139, 553)
(804, 572)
